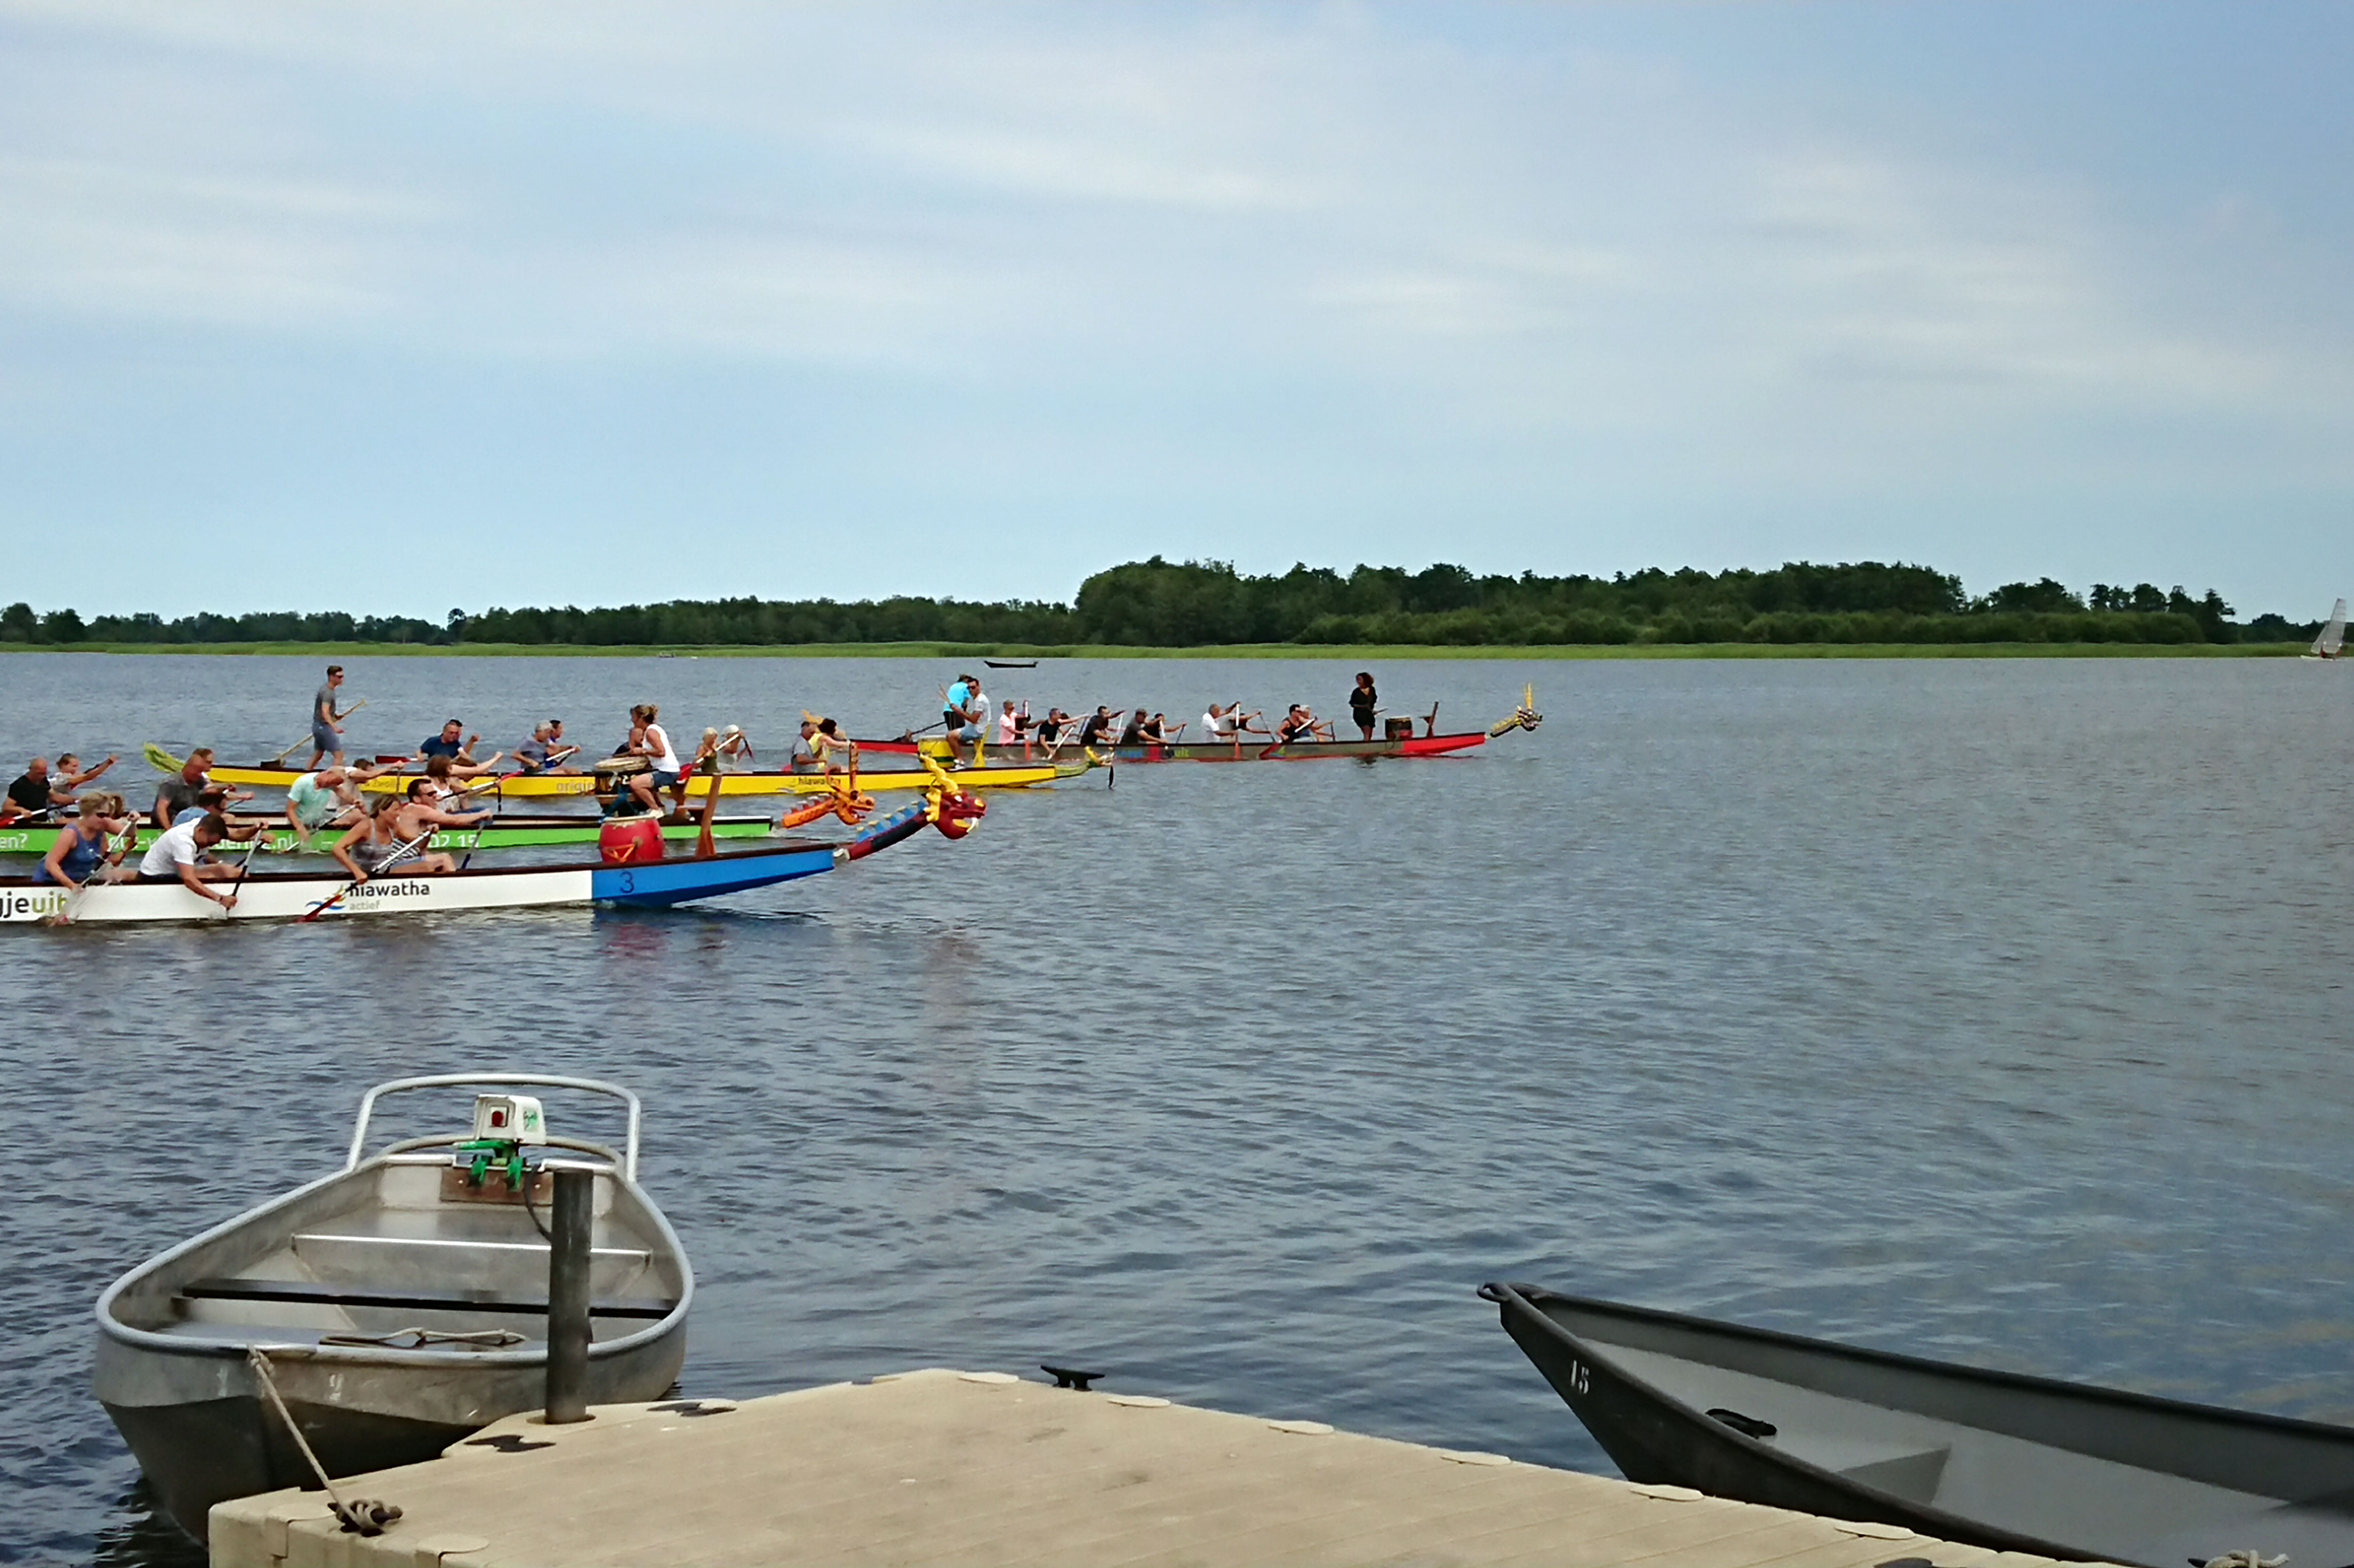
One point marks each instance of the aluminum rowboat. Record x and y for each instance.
(511, 831)
(515, 786)
(1987, 1458)
(290, 895)
(334, 1282)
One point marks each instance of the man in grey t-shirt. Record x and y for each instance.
(326, 722)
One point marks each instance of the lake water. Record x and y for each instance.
(1992, 1011)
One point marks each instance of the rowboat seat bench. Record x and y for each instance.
(312, 1294)
(1909, 1467)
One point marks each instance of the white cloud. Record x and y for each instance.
(1244, 256)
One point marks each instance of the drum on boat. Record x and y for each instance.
(631, 840)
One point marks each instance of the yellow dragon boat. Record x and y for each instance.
(765, 783)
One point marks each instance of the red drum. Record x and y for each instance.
(631, 840)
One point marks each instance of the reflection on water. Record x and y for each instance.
(1985, 1011)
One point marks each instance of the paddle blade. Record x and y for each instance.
(160, 760)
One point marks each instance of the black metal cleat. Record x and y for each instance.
(1069, 1377)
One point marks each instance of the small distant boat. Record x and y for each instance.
(2331, 643)
(1987, 1458)
(400, 1304)
(1010, 663)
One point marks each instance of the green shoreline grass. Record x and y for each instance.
(1356, 653)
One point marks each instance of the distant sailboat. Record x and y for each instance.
(2333, 636)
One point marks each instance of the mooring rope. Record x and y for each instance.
(361, 1516)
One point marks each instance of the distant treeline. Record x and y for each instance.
(1159, 603)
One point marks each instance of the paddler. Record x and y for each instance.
(30, 796)
(545, 751)
(1230, 723)
(388, 841)
(961, 714)
(184, 854)
(179, 791)
(213, 801)
(1299, 726)
(1092, 731)
(835, 751)
(325, 798)
(804, 756)
(82, 850)
(68, 774)
(461, 758)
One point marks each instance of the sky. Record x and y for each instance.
(401, 309)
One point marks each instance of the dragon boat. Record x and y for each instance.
(1400, 742)
(311, 895)
(510, 830)
(766, 781)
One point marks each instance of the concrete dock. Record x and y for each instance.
(945, 1468)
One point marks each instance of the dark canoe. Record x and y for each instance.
(1988, 1458)
(1256, 748)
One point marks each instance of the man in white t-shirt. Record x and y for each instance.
(180, 854)
(1229, 723)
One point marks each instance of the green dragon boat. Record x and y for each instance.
(511, 831)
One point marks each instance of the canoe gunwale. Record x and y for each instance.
(182, 1347)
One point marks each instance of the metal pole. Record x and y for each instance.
(568, 1297)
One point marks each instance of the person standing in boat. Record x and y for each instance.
(327, 721)
(1365, 703)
